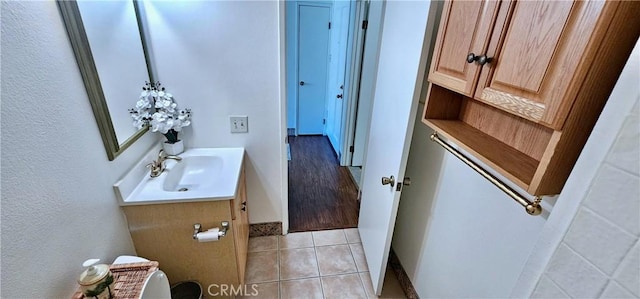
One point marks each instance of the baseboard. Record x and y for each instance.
(265, 229)
(403, 278)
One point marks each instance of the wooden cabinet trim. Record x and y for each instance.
(516, 105)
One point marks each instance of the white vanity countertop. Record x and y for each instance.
(208, 174)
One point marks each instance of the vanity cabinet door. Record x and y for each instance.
(462, 37)
(164, 233)
(241, 227)
(538, 58)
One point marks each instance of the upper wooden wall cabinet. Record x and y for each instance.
(520, 84)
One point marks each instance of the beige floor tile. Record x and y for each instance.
(358, 256)
(329, 237)
(263, 243)
(302, 288)
(343, 286)
(296, 240)
(298, 263)
(390, 288)
(353, 236)
(335, 259)
(262, 267)
(269, 290)
(368, 286)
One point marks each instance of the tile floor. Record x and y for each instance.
(322, 264)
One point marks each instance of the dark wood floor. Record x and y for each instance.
(322, 195)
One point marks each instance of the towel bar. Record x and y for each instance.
(532, 208)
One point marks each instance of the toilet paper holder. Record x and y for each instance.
(197, 228)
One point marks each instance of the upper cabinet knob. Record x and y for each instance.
(301, 83)
(484, 59)
(471, 58)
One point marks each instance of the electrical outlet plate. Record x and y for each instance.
(239, 123)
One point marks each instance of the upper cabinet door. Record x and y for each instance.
(534, 58)
(463, 35)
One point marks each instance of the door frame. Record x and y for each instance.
(356, 48)
(354, 69)
(347, 68)
(360, 109)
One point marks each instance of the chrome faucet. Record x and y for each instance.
(157, 167)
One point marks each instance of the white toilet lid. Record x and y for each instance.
(125, 259)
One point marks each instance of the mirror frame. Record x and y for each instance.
(79, 42)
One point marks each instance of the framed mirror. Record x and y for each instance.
(107, 38)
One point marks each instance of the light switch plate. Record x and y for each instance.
(239, 123)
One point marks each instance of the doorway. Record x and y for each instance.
(323, 193)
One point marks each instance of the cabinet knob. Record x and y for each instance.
(471, 58)
(482, 59)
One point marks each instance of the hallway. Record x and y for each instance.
(322, 195)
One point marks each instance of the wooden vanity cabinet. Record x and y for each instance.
(164, 233)
(520, 84)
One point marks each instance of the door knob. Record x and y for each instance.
(301, 83)
(471, 58)
(389, 181)
(339, 96)
(482, 59)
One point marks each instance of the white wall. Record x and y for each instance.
(291, 15)
(58, 206)
(458, 236)
(292, 79)
(222, 58)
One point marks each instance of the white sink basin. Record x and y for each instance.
(192, 173)
(203, 174)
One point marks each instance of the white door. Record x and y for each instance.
(335, 91)
(401, 70)
(313, 52)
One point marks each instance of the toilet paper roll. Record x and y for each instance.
(208, 236)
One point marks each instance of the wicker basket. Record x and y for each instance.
(128, 279)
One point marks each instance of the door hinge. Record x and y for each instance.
(351, 149)
(324, 121)
(365, 24)
(329, 25)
